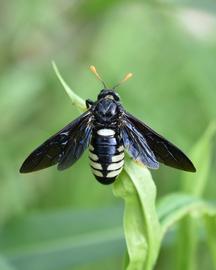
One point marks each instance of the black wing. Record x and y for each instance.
(64, 148)
(136, 145)
(164, 151)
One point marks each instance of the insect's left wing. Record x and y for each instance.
(164, 151)
(64, 148)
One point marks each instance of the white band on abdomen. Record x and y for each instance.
(115, 166)
(95, 165)
(93, 156)
(117, 158)
(113, 173)
(97, 173)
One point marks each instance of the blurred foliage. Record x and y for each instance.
(169, 45)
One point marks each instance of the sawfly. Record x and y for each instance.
(107, 130)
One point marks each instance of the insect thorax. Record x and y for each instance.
(106, 111)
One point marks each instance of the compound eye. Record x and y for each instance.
(117, 97)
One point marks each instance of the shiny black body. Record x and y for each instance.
(108, 130)
(105, 147)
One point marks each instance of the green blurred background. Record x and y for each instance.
(63, 221)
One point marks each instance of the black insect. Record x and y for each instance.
(107, 130)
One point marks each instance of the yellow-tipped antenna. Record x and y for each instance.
(94, 71)
(127, 77)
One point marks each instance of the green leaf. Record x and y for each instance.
(141, 226)
(78, 102)
(194, 184)
(174, 207)
(210, 223)
(178, 206)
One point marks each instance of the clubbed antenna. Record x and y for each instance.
(127, 77)
(94, 71)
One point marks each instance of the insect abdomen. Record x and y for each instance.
(106, 155)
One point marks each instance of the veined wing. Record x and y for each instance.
(65, 147)
(164, 151)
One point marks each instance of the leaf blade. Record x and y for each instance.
(77, 101)
(141, 226)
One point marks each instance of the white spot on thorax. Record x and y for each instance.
(106, 132)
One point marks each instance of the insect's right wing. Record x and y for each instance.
(164, 151)
(63, 148)
(136, 144)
